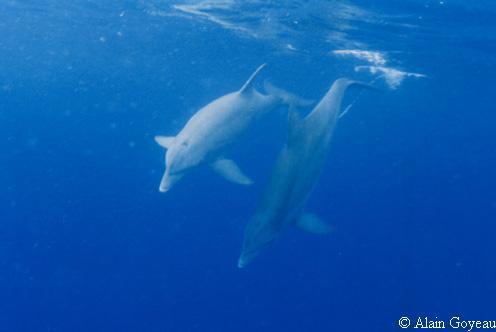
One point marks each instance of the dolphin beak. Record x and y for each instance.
(246, 258)
(164, 183)
(251, 251)
(168, 180)
(241, 263)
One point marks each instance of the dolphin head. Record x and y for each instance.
(179, 158)
(182, 156)
(174, 171)
(258, 235)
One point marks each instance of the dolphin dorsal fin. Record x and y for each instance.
(249, 84)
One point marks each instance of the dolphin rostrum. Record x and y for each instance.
(216, 126)
(295, 174)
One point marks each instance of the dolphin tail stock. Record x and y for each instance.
(288, 98)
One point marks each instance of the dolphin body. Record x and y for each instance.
(216, 126)
(295, 174)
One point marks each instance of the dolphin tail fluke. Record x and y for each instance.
(288, 98)
(312, 224)
(345, 83)
(231, 172)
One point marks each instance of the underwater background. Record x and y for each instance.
(87, 242)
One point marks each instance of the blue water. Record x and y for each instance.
(87, 243)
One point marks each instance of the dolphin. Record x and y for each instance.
(295, 174)
(215, 127)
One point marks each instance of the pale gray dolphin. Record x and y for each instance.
(295, 174)
(216, 126)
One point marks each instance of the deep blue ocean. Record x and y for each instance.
(88, 243)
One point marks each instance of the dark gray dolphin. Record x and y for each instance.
(295, 174)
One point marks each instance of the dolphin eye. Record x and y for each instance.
(185, 143)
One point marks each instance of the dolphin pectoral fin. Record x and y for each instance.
(230, 171)
(168, 181)
(313, 224)
(249, 84)
(164, 141)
